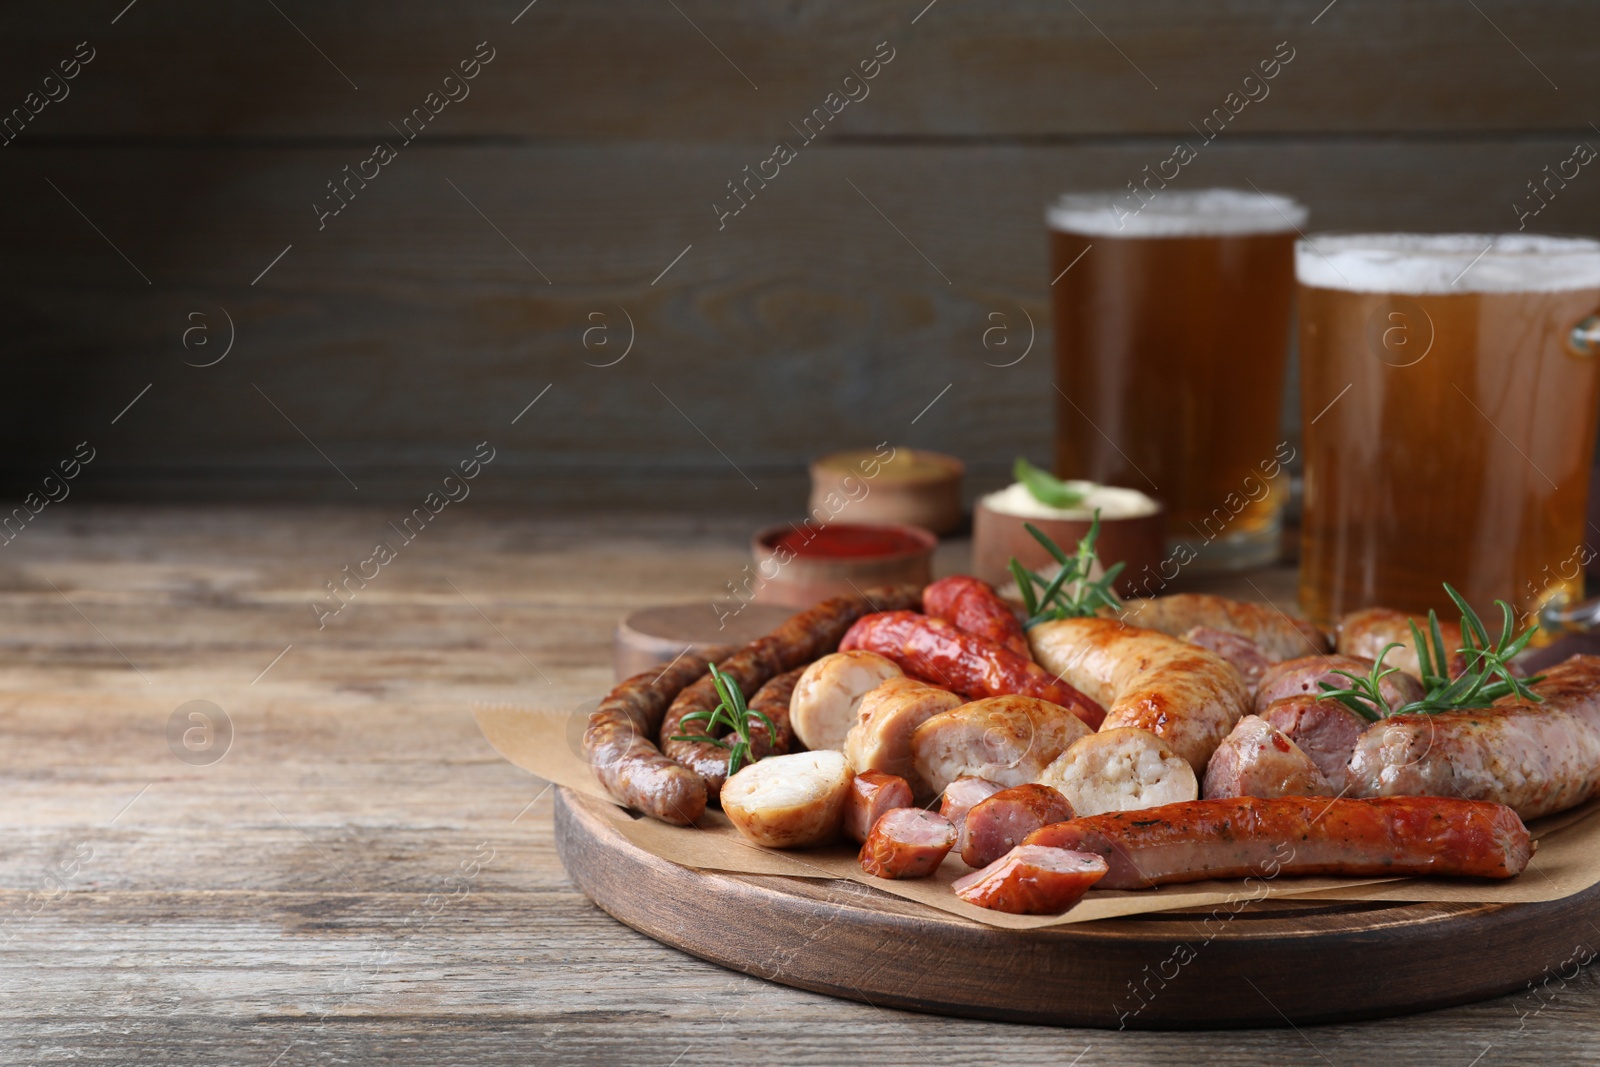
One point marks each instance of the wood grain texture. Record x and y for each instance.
(1114, 974)
(409, 329)
(215, 922)
(633, 69)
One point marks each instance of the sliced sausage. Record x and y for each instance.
(1243, 836)
(829, 694)
(1537, 758)
(1186, 695)
(872, 793)
(1304, 676)
(889, 715)
(942, 654)
(1032, 880)
(1121, 769)
(1245, 655)
(1276, 634)
(959, 797)
(1257, 760)
(974, 606)
(1004, 739)
(793, 801)
(998, 823)
(907, 843)
(1325, 730)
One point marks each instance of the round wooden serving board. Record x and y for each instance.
(1272, 963)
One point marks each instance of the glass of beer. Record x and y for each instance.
(1172, 314)
(1449, 390)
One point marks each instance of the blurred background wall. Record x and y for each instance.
(571, 202)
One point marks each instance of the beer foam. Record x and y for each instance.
(1447, 263)
(1186, 213)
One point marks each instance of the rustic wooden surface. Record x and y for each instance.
(274, 907)
(1305, 961)
(540, 213)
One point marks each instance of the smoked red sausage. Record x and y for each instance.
(974, 606)
(941, 653)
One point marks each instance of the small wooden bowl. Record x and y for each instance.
(914, 488)
(652, 636)
(804, 580)
(1140, 542)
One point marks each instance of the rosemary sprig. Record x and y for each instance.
(732, 713)
(1486, 676)
(1070, 594)
(1045, 487)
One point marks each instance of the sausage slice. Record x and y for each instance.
(1032, 880)
(907, 843)
(1257, 760)
(1324, 730)
(880, 740)
(1121, 769)
(829, 694)
(1007, 739)
(959, 798)
(998, 824)
(872, 793)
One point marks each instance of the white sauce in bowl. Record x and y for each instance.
(1112, 501)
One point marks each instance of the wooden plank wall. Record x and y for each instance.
(457, 285)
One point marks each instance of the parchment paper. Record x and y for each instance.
(546, 744)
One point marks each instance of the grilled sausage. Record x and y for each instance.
(802, 638)
(772, 700)
(1367, 633)
(1325, 730)
(936, 651)
(907, 843)
(1296, 677)
(1121, 769)
(959, 798)
(998, 823)
(1257, 760)
(1008, 740)
(1275, 633)
(881, 738)
(1032, 880)
(793, 801)
(1536, 758)
(1186, 695)
(829, 694)
(1243, 836)
(974, 606)
(619, 745)
(872, 793)
(1245, 655)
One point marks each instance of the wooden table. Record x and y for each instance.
(360, 878)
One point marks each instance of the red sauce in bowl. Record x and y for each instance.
(848, 541)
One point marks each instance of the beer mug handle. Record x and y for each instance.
(1584, 340)
(1580, 618)
(1583, 617)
